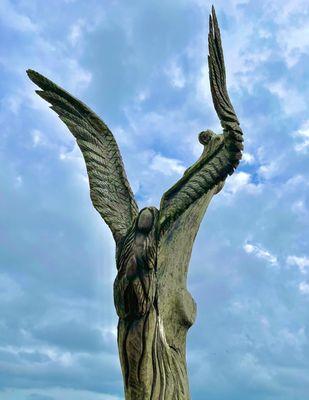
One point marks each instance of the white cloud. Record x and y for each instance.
(18, 181)
(14, 102)
(304, 287)
(248, 158)
(299, 208)
(55, 355)
(142, 96)
(291, 99)
(260, 252)
(55, 393)
(76, 160)
(10, 17)
(302, 134)
(202, 86)
(36, 137)
(250, 365)
(76, 32)
(297, 181)
(288, 10)
(294, 338)
(108, 331)
(294, 41)
(301, 262)
(270, 170)
(145, 127)
(74, 155)
(240, 181)
(79, 77)
(167, 166)
(176, 75)
(292, 31)
(293, 38)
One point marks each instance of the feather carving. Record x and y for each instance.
(110, 191)
(222, 152)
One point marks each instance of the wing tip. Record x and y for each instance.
(32, 74)
(212, 15)
(36, 77)
(213, 12)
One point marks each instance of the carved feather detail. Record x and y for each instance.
(110, 191)
(222, 153)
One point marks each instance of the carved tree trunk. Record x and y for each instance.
(154, 306)
(152, 339)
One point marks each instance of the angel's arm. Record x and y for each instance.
(110, 191)
(222, 152)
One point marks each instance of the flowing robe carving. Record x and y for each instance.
(153, 247)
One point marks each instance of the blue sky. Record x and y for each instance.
(142, 66)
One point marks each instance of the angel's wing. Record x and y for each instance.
(222, 152)
(110, 191)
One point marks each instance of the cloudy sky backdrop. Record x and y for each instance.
(141, 65)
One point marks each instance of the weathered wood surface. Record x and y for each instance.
(153, 247)
(155, 308)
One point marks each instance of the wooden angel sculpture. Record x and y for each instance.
(153, 247)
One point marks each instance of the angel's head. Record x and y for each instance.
(146, 234)
(145, 220)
